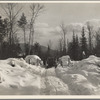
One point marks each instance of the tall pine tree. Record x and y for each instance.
(22, 24)
(71, 48)
(77, 49)
(74, 48)
(83, 42)
(97, 47)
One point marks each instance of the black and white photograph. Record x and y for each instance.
(49, 48)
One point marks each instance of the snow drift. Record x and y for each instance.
(34, 60)
(20, 78)
(83, 78)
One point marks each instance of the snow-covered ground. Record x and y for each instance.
(79, 78)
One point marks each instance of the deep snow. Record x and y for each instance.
(77, 78)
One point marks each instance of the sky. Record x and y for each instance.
(71, 14)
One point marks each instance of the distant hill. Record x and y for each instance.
(43, 48)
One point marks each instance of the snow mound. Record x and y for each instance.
(17, 77)
(56, 87)
(78, 84)
(34, 60)
(83, 78)
(64, 60)
(20, 78)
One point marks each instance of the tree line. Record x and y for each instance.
(88, 43)
(10, 43)
(9, 28)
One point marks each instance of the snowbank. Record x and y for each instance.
(34, 60)
(64, 60)
(56, 87)
(20, 78)
(83, 78)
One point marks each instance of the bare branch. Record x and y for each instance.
(2, 6)
(17, 12)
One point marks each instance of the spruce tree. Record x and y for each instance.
(77, 49)
(3, 34)
(97, 47)
(72, 47)
(22, 24)
(83, 42)
(37, 49)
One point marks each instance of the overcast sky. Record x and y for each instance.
(69, 13)
(56, 13)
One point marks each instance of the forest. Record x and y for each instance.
(12, 23)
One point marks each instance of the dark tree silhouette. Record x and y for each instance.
(11, 11)
(97, 47)
(83, 42)
(77, 49)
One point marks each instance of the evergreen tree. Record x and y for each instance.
(37, 49)
(3, 34)
(97, 47)
(48, 51)
(22, 24)
(72, 47)
(64, 52)
(77, 49)
(83, 42)
(60, 47)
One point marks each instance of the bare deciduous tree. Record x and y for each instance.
(36, 10)
(90, 29)
(11, 11)
(64, 32)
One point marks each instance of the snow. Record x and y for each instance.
(83, 77)
(77, 78)
(33, 59)
(56, 87)
(18, 79)
(65, 60)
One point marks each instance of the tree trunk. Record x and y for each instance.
(30, 40)
(24, 40)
